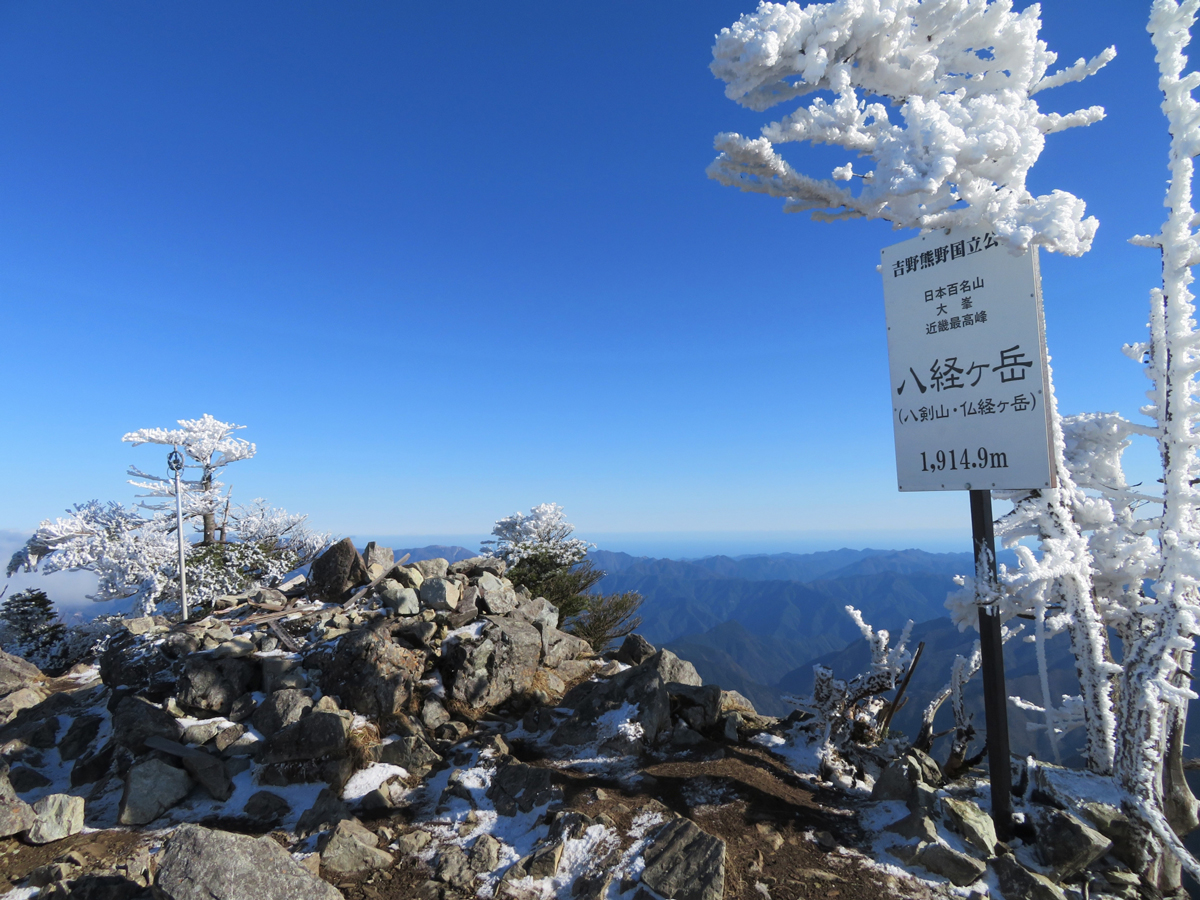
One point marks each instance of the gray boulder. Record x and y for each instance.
(369, 672)
(644, 686)
(440, 594)
(266, 808)
(279, 710)
(520, 787)
(353, 849)
(1065, 845)
(538, 611)
(79, 737)
(559, 647)
(477, 566)
(967, 819)
(374, 555)
(431, 568)
(202, 864)
(401, 600)
(151, 788)
(210, 686)
(685, 863)
(337, 572)
(16, 673)
(136, 719)
(483, 673)
(495, 596)
(320, 735)
(15, 814)
(411, 752)
(634, 651)
(58, 816)
(958, 867)
(1018, 883)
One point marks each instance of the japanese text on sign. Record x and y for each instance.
(967, 360)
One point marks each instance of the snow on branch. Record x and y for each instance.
(960, 137)
(544, 531)
(206, 440)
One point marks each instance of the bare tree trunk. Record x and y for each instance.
(210, 520)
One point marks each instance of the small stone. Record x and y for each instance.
(227, 736)
(351, 850)
(413, 843)
(267, 808)
(454, 869)
(201, 732)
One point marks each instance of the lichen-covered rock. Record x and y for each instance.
(352, 850)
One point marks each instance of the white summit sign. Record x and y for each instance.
(967, 352)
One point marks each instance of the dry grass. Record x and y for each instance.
(360, 742)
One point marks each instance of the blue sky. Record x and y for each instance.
(452, 261)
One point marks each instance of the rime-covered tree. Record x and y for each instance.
(211, 446)
(544, 558)
(134, 553)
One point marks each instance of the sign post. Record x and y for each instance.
(175, 464)
(969, 388)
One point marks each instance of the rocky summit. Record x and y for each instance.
(386, 729)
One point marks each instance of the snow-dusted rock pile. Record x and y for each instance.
(1066, 844)
(425, 729)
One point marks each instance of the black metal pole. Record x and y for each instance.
(995, 701)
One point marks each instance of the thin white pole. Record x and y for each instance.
(175, 461)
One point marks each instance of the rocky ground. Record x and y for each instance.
(384, 730)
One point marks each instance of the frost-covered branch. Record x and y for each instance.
(937, 96)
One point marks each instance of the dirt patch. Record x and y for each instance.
(95, 852)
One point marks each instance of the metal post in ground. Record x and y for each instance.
(175, 464)
(995, 700)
